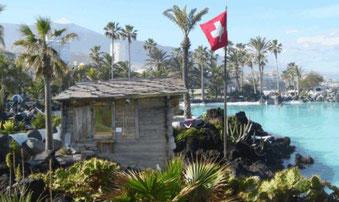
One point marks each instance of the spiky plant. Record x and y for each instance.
(203, 180)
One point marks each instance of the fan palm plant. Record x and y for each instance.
(44, 60)
(129, 34)
(2, 42)
(201, 57)
(241, 53)
(113, 32)
(186, 23)
(249, 61)
(150, 45)
(95, 56)
(275, 47)
(259, 46)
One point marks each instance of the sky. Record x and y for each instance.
(308, 29)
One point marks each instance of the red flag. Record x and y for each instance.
(216, 31)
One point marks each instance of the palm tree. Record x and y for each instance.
(241, 54)
(275, 47)
(259, 46)
(249, 61)
(201, 57)
(298, 73)
(186, 22)
(113, 32)
(39, 56)
(157, 59)
(122, 69)
(150, 45)
(129, 34)
(175, 63)
(2, 42)
(235, 67)
(95, 55)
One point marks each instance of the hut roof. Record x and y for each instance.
(121, 88)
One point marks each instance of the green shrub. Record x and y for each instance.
(288, 184)
(56, 120)
(39, 121)
(9, 126)
(87, 180)
(190, 134)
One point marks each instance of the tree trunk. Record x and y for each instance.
(242, 78)
(112, 58)
(202, 83)
(129, 59)
(48, 114)
(261, 72)
(254, 83)
(276, 61)
(187, 102)
(298, 87)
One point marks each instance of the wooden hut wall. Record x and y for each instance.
(150, 148)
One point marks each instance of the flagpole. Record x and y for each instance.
(225, 100)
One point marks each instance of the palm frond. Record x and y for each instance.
(43, 26)
(67, 38)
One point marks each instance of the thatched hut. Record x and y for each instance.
(126, 120)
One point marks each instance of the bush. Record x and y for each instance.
(9, 126)
(190, 134)
(39, 121)
(87, 180)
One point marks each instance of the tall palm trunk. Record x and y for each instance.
(48, 114)
(254, 82)
(112, 58)
(242, 77)
(187, 102)
(276, 62)
(298, 86)
(129, 59)
(202, 83)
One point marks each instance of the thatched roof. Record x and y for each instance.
(123, 88)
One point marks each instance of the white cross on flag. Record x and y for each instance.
(216, 31)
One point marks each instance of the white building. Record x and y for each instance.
(120, 51)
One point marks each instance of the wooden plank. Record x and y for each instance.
(136, 103)
(113, 120)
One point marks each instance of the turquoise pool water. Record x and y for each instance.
(313, 129)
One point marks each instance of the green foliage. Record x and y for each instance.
(238, 132)
(56, 120)
(203, 179)
(311, 80)
(288, 185)
(151, 185)
(9, 126)
(83, 181)
(190, 134)
(9, 160)
(18, 174)
(39, 121)
(22, 196)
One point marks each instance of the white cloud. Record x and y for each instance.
(63, 21)
(291, 31)
(329, 39)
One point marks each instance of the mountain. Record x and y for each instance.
(80, 49)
